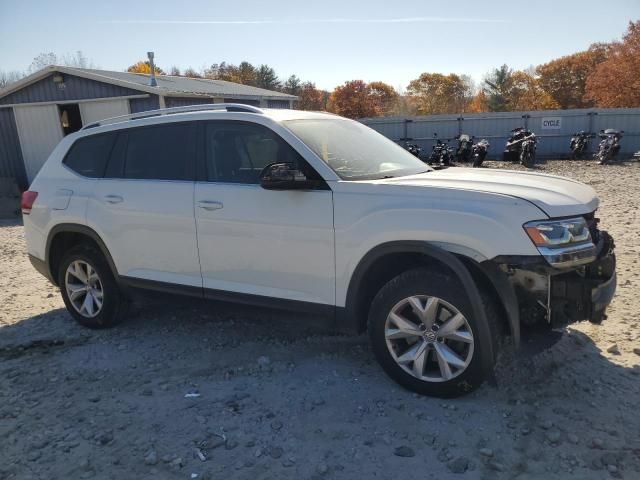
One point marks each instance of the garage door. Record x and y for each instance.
(39, 130)
(94, 111)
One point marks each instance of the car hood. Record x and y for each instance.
(555, 196)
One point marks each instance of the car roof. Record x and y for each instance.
(156, 117)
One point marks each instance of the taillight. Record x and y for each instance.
(26, 202)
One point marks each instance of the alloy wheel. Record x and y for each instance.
(84, 288)
(429, 338)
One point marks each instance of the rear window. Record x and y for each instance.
(88, 156)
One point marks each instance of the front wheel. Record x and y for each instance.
(527, 159)
(424, 335)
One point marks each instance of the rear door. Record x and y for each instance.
(276, 244)
(143, 208)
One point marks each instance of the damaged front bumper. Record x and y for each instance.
(576, 286)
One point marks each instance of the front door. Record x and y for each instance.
(143, 208)
(254, 241)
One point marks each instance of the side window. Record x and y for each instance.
(88, 156)
(162, 152)
(237, 152)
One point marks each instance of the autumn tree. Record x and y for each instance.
(244, 73)
(352, 100)
(524, 92)
(565, 78)
(384, 98)
(433, 93)
(496, 86)
(310, 98)
(247, 74)
(616, 81)
(144, 67)
(479, 103)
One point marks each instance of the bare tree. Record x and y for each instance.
(191, 72)
(41, 61)
(7, 78)
(78, 60)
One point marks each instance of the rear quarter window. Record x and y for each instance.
(88, 156)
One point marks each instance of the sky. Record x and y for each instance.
(324, 41)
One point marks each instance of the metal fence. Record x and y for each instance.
(553, 128)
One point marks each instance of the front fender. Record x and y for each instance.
(351, 314)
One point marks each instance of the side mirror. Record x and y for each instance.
(283, 176)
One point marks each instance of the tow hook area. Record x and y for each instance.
(561, 298)
(575, 297)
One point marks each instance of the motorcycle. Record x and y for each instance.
(465, 146)
(413, 149)
(528, 152)
(579, 144)
(515, 148)
(441, 154)
(609, 146)
(479, 152)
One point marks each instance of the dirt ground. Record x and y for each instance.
(187, 389)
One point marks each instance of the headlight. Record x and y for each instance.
(563, 243)
(558, 233)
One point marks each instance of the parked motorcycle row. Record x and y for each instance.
(444, 155)
(520, 147)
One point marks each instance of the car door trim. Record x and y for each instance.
(133, 283)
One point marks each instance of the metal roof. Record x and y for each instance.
(167, 85)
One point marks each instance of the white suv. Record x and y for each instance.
(318, 213)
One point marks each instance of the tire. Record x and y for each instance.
(527, 159)
(449, 295)
(104, 313)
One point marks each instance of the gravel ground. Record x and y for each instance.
(188, 389)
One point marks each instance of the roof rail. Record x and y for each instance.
(229, 107)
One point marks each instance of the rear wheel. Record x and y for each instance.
(89, 289)
(424, 334)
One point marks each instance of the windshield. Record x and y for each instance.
(354, 151)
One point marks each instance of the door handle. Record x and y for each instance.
(113, 199)
(210, 205)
